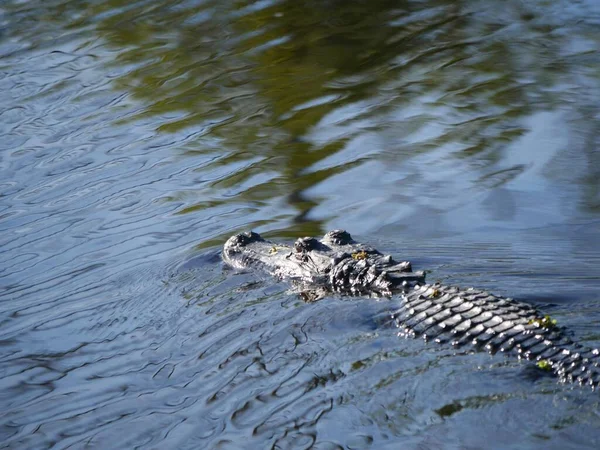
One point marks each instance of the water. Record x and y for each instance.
(137, 136)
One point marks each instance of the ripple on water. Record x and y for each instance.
(137, 136)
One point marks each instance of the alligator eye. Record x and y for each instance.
(338, 237)
(305, 244)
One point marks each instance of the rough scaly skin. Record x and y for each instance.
(335, 262)
(441, 313)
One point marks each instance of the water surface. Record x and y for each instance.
(137, 136)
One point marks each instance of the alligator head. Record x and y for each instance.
(336, 262)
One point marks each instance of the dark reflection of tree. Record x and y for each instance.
(242, 74)
(245, 75)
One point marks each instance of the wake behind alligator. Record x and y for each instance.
(449, 314)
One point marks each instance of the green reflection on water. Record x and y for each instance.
(248, 78)
(258, 77)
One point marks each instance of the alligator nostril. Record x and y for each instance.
(245, 238)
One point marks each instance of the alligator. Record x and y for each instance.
(444, 314)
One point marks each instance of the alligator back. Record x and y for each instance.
(461, 317)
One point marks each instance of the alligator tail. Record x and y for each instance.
(496, 324)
